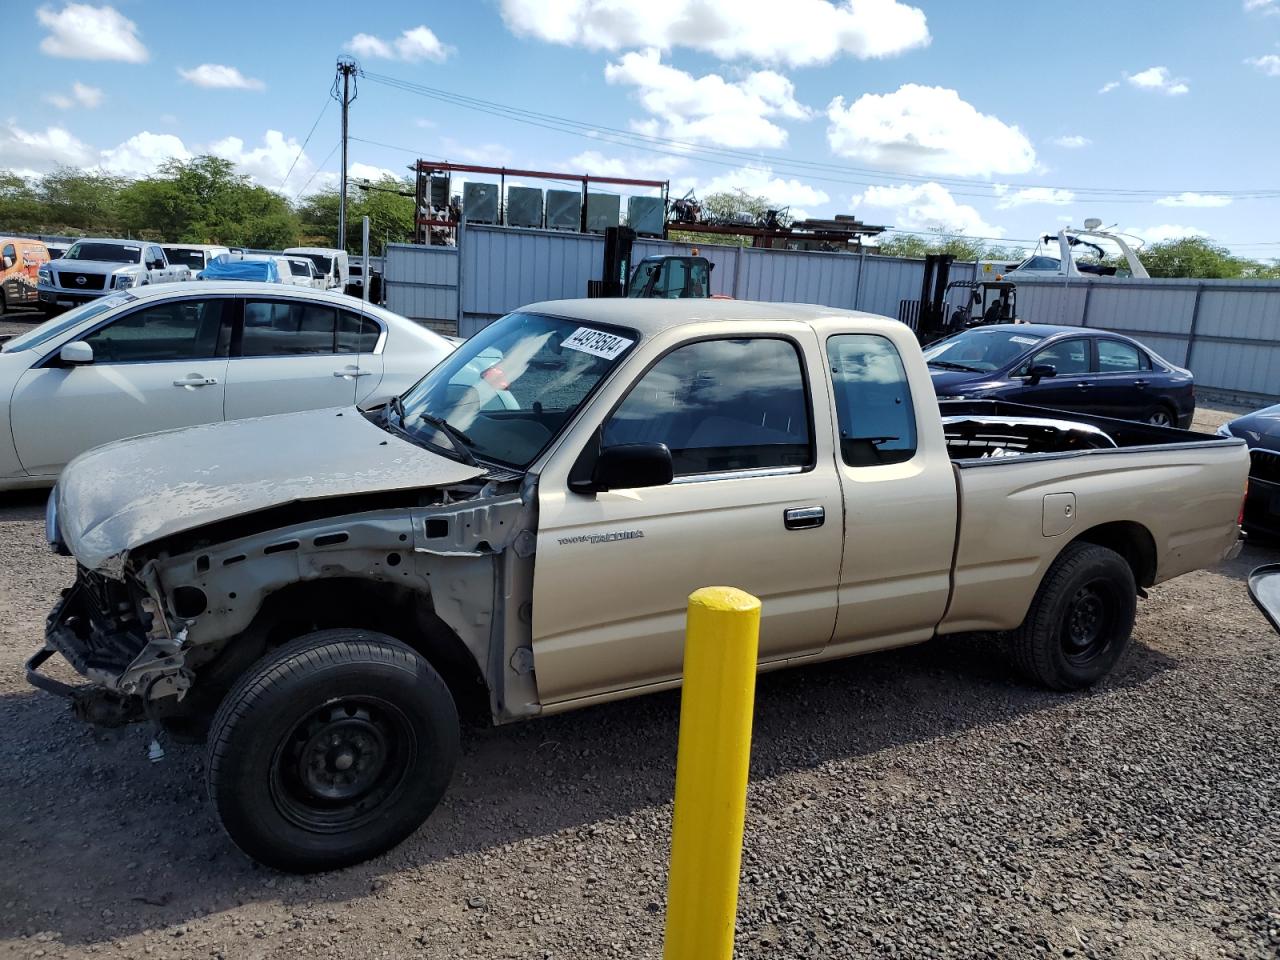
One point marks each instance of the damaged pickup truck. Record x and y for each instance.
(316, 593)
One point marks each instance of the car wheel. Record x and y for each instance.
(331, 750)
(1080, 619)
(1163, 416)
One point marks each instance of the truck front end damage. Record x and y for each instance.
(162, 630)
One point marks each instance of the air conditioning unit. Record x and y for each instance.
(524, 207)
(480, 202)
(646, 215)
(564, 210)
(603, 211)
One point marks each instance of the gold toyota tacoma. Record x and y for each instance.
(314, 592)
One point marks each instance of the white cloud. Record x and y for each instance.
(928, 130)
(1268, 63)
(596, 164)
(1054, 196)
(1108, 87)
(85, 32)
(143, 153)
(1163, 232)
(709, 108)
(217, 76)
(1071, 142)
(1189, 199)
(81, 94)
(801, 33)
(1262, 6)
(30, 152)
(1158, 79)
(368, 171)
(416, 43)
(759, 182)
(927, 206)
(267, 163)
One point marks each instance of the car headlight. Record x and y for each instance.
(123, 281)
(1224, 430)
(44, 275)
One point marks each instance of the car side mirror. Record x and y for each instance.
(8, 262)
(1039, 371)
(628, 466)
(76, 352)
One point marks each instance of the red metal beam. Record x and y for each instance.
(427, 166)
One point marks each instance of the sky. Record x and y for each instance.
(995, 121)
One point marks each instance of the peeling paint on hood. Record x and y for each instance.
(121, 496)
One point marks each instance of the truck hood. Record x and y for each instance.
(126, 494)
(95, 266)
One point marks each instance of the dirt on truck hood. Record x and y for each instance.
(121, 496)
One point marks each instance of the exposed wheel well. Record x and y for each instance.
(1132, 541)
(397, 611)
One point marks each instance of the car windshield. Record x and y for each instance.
(506, 392)
(51, 328)
(981, 349)
(302, 267)
(186, 256)
(105, 252)
(323, 264)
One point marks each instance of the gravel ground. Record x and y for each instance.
(919, 803)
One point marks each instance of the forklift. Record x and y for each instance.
(658, 277)
(985, 302)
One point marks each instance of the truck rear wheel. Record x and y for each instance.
(331, 750)
(1080, 619)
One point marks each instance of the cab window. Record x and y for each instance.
(873, 400)
(721, 405)
(1069, 357)
(175, 330)
(1116, 356)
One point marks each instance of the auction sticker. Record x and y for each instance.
(596, 342)
(1029, 341)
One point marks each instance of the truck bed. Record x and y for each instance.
(1018, 507)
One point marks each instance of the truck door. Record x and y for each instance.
(755, 504)
(899, 497)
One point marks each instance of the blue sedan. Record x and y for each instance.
(1065, 368)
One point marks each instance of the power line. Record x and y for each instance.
(684, 149)
(317, 170)
(327, 101)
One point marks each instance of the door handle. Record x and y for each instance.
(1083, 385)
(196, 382)
(352, 373)
(1140, 383)
(803, 518)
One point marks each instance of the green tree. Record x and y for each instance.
(79, 201)
(388, 204)
(20, 207)
(963, 248)
(1201, 258)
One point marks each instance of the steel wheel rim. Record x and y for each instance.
(1088, 623)
(342, 764)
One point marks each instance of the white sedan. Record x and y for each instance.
(176, 355)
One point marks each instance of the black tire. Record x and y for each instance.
(331, 750)
(1080, 619)
(1163, 416)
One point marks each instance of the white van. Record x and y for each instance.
(333, 265)
(195, 256)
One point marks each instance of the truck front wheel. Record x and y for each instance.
(1080, 619)
(331, 750)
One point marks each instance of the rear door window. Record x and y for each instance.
(720, 406)
(357, 334)
(1116, 356)
(873, 400)
(276, 328)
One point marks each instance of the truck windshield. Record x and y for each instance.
(186, 256)
(51, 328)
(505, 393)
(105, 252)
(982, 349)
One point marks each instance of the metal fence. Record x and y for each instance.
(1226, 331)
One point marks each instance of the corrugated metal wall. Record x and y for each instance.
(422, 282)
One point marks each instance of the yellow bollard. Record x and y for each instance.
(720, 647)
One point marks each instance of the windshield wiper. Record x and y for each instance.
(461, 442)
(948, 365)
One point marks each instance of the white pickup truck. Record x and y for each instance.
(95, 268)
(314, 591)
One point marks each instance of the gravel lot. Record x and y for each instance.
(920, 803)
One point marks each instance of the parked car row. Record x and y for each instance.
(93, 268)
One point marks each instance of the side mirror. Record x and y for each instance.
(8, 262)
(1039, 371)
(76, 352)
(628, 466)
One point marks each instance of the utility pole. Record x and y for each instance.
(345, 92)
